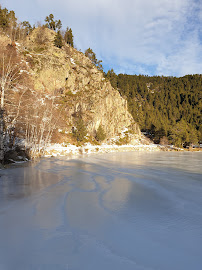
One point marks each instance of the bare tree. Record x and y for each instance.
(11, 78)
(9, 75)
(20, 117)
(40, 120)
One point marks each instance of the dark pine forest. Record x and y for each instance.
(168, 109)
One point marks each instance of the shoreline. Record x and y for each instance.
(68, 150)
(72, 151)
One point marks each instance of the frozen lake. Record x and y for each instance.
(121, 211)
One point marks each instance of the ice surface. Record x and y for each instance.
(108, 211)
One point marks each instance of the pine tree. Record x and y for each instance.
(58, 40)
(53, 24)
(27, 27)
(68, 37)
(91, 55)
(80, 130)
(4, 22)
(111, 76)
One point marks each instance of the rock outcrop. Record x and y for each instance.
(82, 87)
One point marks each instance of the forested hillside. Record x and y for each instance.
(168, 109)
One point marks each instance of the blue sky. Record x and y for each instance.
(158, 37)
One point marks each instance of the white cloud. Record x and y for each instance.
(135, 36)
(187, 60)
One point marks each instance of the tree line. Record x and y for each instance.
(10, 25)
(20, 30)
(168, 109)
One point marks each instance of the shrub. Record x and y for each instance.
(80, 131)
(123, 140)
(100, 134)
(41, 36)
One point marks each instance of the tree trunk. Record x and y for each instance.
(1, 136)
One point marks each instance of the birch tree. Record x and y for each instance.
(9, 75)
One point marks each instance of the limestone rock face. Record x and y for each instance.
(82, 87)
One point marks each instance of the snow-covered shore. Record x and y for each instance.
(68, 149)
(23, 152)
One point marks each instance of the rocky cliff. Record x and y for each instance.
(83, 88)
(80, 88)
